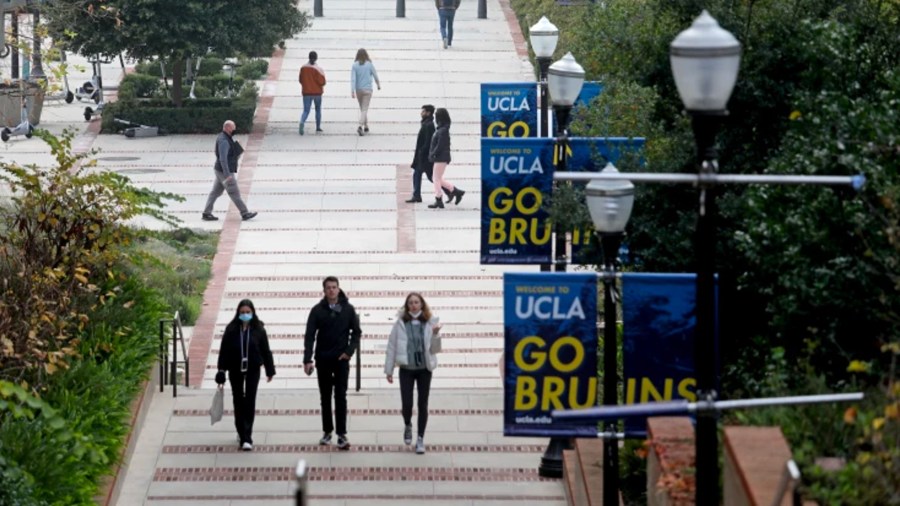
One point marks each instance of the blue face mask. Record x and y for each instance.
(245, 317)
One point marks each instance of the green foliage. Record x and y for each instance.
(254, 69)
(219, 84)
(197, 116)
(136, 85)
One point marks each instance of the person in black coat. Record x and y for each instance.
(244, 349)
(333, 329)
(421, 164)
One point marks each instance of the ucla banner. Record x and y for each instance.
(589, 91)
(658, 339)
(509, 109)
(516, 176)
(550, 351)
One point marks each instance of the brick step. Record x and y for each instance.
(583, 473)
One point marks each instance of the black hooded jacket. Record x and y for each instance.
(259, 353)
(332, 331)
(423, 146)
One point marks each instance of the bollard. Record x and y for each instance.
(482, 9)
(317, 8)
(401, 8)
(302, 478)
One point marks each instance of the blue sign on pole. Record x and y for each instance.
(509, 109)
(516, 177)
(659, 324)
(550, 352)
(589, 91)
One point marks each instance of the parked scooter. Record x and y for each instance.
(97, 82)
(133, 129)
(24, 127)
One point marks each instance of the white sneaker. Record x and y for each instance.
(247, 447)
(445, 42)
(420, 445)
(407, 434)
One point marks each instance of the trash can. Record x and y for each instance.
(11, 103)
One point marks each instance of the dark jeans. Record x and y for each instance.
(408, 377)
(445, 17)
(417, 179)
(243, 393)
(333, 375)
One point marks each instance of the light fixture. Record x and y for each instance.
(610, 202)
(705, 60)
(543, 36)
(565, 78)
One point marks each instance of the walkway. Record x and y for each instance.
(332, 204)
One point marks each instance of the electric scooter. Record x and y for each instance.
(138, 130)
(98, 98)
(24, 127)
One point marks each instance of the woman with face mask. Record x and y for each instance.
(412, 346)
(244, 349)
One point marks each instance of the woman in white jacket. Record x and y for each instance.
(412, 346)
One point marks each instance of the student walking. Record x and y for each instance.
(312, 84)
(411, 347)
(439, 154)
(333, 328)
(362, 73)
(421, 164)
(446, 12)
(244, 349)
(228, 151)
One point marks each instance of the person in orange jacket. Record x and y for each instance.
(312, 82)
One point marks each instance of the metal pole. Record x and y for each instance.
(301, 476)
(14, 27)
(317, 8)
(543, 66)
(37, 69)
(856, 182)
(610, 244)
(174, 361)
(162, 355)
(482, 9)
(705, 352)
(401, 8)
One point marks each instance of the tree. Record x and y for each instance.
(174, 30)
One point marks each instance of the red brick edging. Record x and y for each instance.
(212, 298)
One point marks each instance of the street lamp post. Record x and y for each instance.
(543, 36)
(705, 60)
(401, 8)
(564, 79)
(317, 8)
(610, 203)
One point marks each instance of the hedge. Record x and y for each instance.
(199, 116)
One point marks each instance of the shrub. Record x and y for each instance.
(196, 117)
(138, 86)
(218, 84)
(253, 69)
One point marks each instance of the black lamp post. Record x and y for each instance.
(610, 203)
(317, 8)
(564, 79)
(401, 8)
(705, 61)
(482, 9)
(543, 36)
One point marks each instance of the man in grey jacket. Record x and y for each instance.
(227, 153)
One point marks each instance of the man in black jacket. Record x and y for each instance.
(333, 327)
(420, 164)
(227, 153)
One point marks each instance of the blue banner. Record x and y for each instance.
(658, 340)
(516, 177)
(509, 109)
(550, 351)
(589, 91)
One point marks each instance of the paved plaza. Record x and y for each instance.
(332, 204)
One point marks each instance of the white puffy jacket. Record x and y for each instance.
(397, 342)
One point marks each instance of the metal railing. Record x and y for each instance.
(168, 369)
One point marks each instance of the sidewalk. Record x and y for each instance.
(332, 204)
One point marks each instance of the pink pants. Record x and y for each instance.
(439, 181)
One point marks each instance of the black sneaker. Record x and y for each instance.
(248, 215)
(366, 129)
(343, 443)
(359, 131)
(326, 439)
(319, 131)
(209, 217)
(407, 434)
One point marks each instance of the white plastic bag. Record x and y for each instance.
(435, 339)
(218, 406)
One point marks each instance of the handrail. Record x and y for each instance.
(164, 362)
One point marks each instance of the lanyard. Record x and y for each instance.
(245, 352)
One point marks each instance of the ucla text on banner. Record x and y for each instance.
(550, 351)
(590, 154)
(516, 177)
(658, 339)
(509, 109)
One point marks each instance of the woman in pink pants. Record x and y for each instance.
(440, 155)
